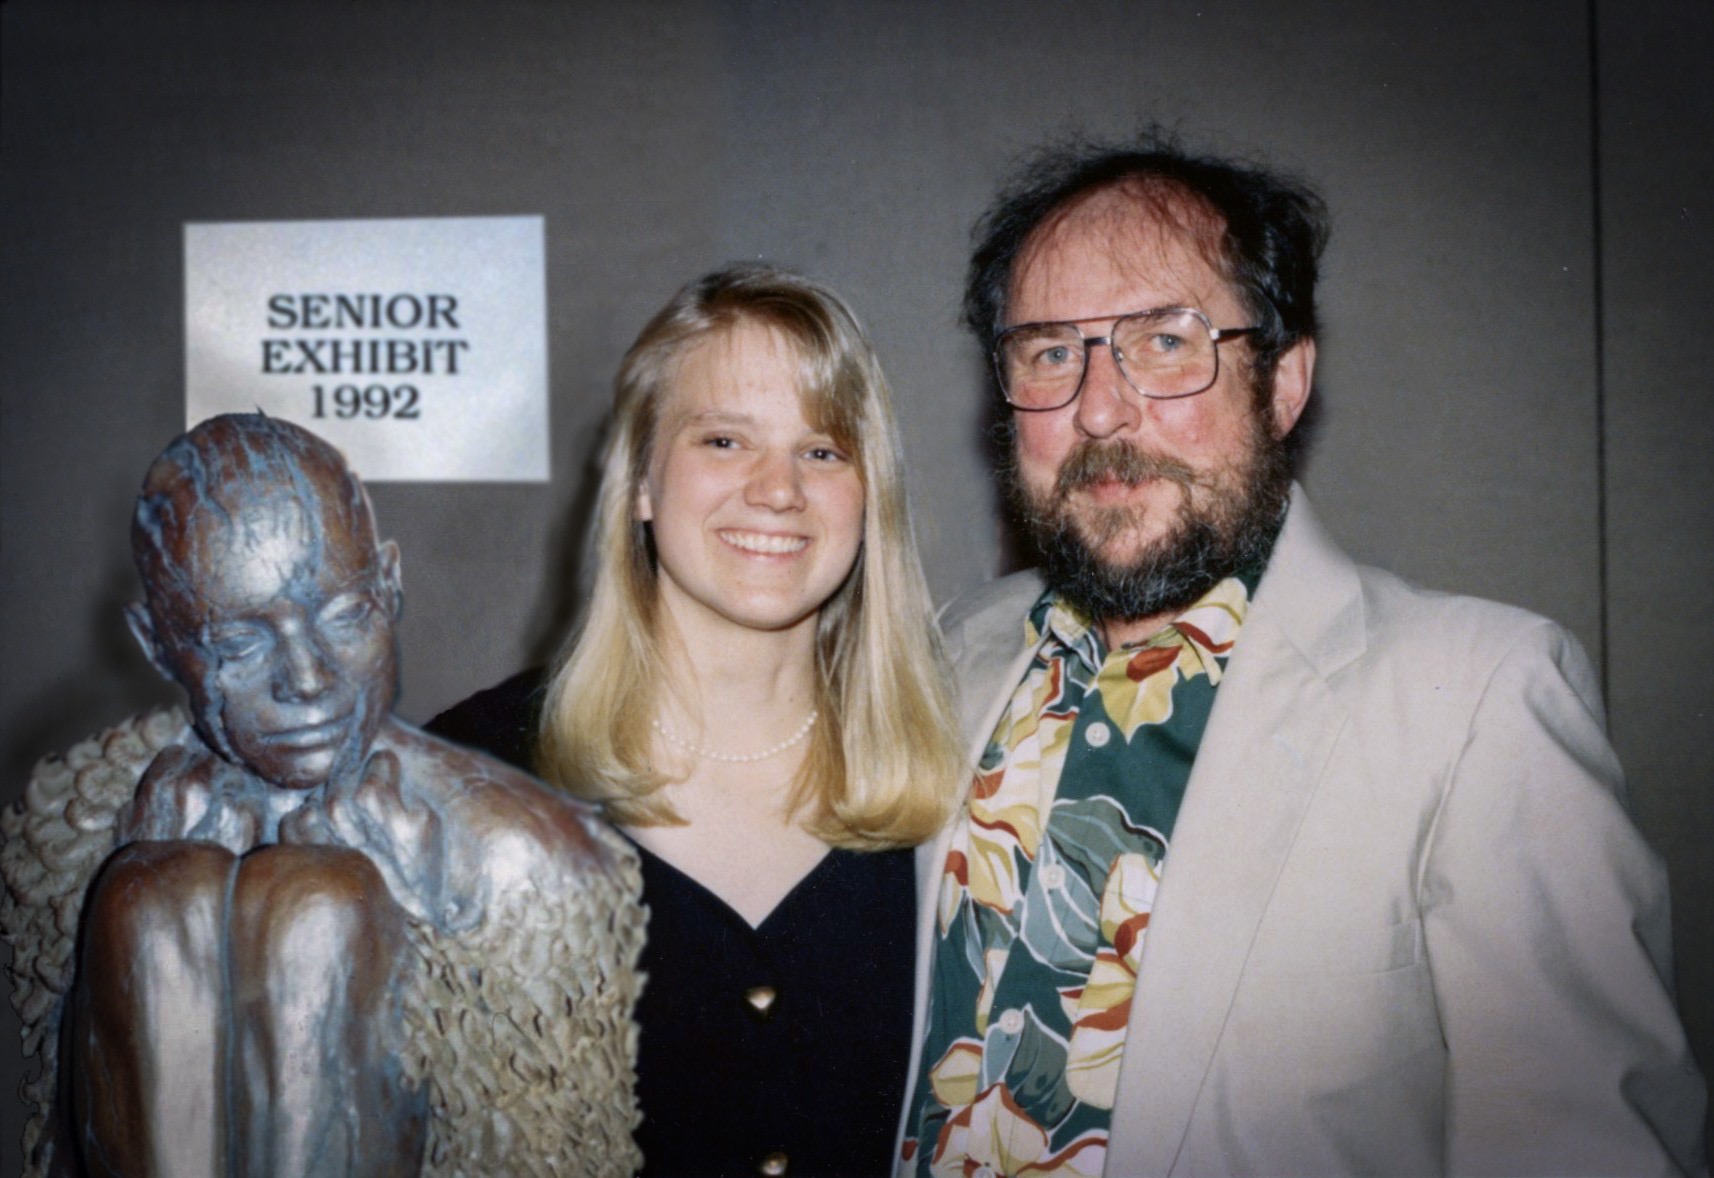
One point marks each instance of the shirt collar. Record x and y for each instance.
(1056, 620)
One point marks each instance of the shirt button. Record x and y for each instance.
(1098, 734)
(760, 1000)
(983, 1172)
(774, 1165)
(1053, 876)
(1012, 1021)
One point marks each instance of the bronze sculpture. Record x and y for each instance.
(317, 940)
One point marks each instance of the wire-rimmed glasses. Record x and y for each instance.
(1164, 354)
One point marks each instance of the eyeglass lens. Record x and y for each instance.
(1162, 354)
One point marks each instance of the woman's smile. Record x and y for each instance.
(764, 543)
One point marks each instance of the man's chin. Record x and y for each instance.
(1121, 554)
(1125, 541)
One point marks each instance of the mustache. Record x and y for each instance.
(1110, 461)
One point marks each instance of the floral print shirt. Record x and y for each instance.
(1046, 892)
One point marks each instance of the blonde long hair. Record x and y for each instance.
(883, 768)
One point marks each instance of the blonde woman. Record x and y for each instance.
(755, 698)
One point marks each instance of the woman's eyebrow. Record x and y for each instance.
(717, 417)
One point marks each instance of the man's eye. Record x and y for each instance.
(1165, 343)
(720, 441)
(1053, 356)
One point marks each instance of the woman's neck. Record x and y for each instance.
(740, 695)
(734, 728)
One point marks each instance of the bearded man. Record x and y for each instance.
(1408, 927)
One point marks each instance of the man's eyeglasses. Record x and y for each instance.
(1164, 354)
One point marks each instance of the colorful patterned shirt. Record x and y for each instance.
(1047, 890)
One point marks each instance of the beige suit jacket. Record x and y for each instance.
(1406, 926)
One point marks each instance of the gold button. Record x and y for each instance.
(774, 1165)
(761, 1003)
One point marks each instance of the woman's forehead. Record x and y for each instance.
(749, 369)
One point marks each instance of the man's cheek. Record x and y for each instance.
(1038, 455)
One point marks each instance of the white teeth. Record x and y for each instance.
(765, 543)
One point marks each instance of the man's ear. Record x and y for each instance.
(142, 625)
(392, 584)
(1294, 377)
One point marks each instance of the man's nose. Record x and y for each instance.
(1108, 405)
(776, 482)
(303, 671)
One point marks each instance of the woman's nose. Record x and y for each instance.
(776, 483)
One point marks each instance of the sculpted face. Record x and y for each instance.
(757, 515)
(1140, 505)
(280, 627)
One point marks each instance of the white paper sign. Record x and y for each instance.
(418, 347)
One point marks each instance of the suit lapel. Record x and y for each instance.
(1259, 763)
(1274, 725)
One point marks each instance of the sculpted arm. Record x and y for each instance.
(1548, 935)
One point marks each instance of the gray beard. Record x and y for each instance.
(1231, 526)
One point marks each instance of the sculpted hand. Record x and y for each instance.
(190, 793)
(383, 819)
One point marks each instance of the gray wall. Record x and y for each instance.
(1656, 185)
(1514, 377)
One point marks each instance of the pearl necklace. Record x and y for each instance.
(739, 758)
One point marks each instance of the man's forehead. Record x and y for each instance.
(1158, 241)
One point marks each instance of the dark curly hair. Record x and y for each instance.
(1273, 228)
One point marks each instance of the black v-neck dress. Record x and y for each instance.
(775, 1049)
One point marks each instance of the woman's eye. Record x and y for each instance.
(827, 454)
(720, 441)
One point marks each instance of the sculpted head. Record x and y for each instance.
(268, 597)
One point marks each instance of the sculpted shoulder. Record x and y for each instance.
(502, 825)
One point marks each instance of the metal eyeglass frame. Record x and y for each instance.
(1217, 335)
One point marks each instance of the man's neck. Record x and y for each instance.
(1117, 632)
